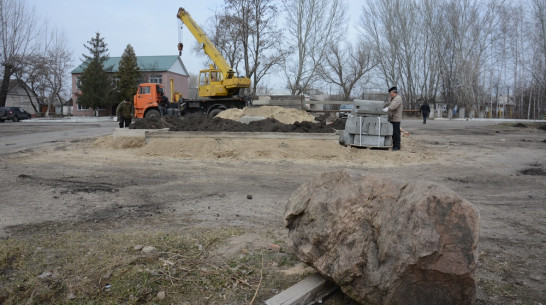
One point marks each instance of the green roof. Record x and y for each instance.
(145, 63)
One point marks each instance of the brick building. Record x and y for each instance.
(153, 69)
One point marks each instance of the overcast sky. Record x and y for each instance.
(149, 26)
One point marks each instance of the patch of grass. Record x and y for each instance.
(497, 289)
(106, 268)
(532, 125)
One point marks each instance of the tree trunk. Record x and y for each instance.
(4, 88)
(36, 110)
(529, 106)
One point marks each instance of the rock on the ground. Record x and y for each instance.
(161, 295)
(45, 274)
(148, 249)
(386, 241)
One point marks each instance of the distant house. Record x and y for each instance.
(153, 69)
(18, 97)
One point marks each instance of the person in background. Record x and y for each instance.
(125, 113)
(394, 107)
(425, 111)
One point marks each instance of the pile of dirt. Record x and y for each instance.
(338, 124)
(155, 123)
(533, 172)
(201, 122)
(281, 114)
(520, 125)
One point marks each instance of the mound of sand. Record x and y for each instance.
(274, 150)
(281, 114)
(119, 143)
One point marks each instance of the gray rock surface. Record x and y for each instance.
(386, 241)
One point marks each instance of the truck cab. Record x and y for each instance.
(149, 100)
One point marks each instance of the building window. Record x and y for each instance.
(115, 81)
(78, 82)
(156, 79)
(81, 108)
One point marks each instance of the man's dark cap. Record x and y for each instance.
(393, 89)
(127, 100)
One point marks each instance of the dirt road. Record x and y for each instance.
(106, 187)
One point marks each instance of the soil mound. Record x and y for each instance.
(281, 114)
(520, 125)
(338, 124)
(533, 172)
(201, 122)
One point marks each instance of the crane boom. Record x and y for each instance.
(212, 84)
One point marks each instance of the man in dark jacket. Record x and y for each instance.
(425, 111)
(125, 113)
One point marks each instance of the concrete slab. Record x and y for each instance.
(250, 118)
(243, 135)
(309, 291)
(135, 133)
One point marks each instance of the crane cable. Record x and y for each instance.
(180, 36)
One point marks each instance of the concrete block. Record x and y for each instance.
(388, 141)
(346, 138)
(368, 125)
(309, 291)
(375, 141)
(353, 124)
(250, 118)
(383, 129)
(367, 106)
(132, 133)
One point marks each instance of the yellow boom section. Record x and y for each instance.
(226, 85)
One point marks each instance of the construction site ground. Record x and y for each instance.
(79, 216)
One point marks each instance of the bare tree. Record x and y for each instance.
(311, 25)
(251, 39)
(34, 74)
(472, 28)
(262, 43)
(539, 58)
(18, 29)
(60, 62)
(45, 71)
(225, 38)
(345, 66)
(377, 24)
(403, 32)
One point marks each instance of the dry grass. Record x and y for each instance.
(90, 268)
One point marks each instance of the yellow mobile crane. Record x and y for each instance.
(220, 79)
(219, 87)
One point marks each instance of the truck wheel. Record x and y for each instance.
(154, 113)
(214, 112)
(15, 119)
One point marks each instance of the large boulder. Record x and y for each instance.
(386, 241)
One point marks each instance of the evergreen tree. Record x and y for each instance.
(96, 84)
(128, 75)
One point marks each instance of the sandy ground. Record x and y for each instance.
(207, 182)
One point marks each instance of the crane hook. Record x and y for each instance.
(180, 47)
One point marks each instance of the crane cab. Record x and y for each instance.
(211, 83)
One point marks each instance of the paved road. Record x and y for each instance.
(23, 135)
(35, 133)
